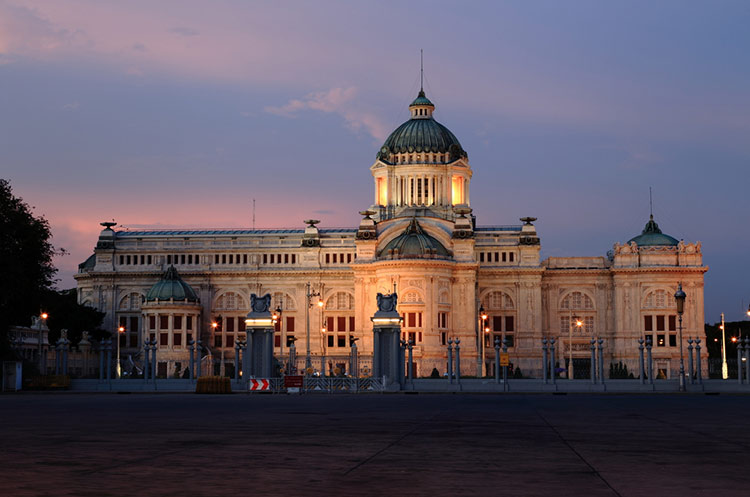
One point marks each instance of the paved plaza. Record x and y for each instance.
(60, 444)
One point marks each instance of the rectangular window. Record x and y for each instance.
(216, 258)
(330, 340)
(328, 258)
(223, 258)
(290, 324)
(190, 259)
(334, 258)
(412, 319)
(152, 322)
(341, 341)
(419, 316)
(673, 340)
(481, 256)
(229, 324)
(289, 340)
(509, 323)
(182, 259)
(286, 258)
(123, 337)
(348, 258)
(143, 260)
(294, 258)
(660, 323)
(648, 339)
(277, 325)
(217, 341)
(511, 257)
(419, 336)
(277, 341)
(265, 258)
(648, 323)
(329, 323)
(231, 258)
(351, 323)
(240, 324)
(189, 323)
(230, 341)
(122, 260)
(177, 339)
(497, 323)
(244, 258)
(510, 339)
(148, 258)
(237, 258)
(443, 338)
(163, 322)
(163, 339)
(177, 323)
(505, 255)
(497, 255)
(672, 323)
(660, 341)
(169, 259)
(197, 259)
(341, 323)
(134, 324)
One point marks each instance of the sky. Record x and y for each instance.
(180, 113)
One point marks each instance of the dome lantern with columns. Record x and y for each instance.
(421, 169)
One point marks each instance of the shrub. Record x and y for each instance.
(213, 384)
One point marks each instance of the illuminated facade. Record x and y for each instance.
(421, 237)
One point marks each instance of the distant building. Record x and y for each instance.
(420, 237)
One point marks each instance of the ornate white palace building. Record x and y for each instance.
(420, 237)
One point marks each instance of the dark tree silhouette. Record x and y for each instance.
(26, 270)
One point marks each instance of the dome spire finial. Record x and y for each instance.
(421, 72)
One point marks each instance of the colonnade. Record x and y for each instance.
(426, 190)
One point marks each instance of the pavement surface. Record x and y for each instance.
(62, 444)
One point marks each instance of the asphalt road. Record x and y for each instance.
(521, 445)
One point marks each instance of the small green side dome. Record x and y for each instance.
(652, 236)
(414, 243)
(171, 286)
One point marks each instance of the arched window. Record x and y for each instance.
(497, 300)
(501, 318)
(659, 312)
(230, 301)
(338, 320)
(579, 307)
(411, 298)
(659, 299)
(282, 300)
(131, 302)
(577, 301)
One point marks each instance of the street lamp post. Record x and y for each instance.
(724, 368)
(679, 298)
(578, 323)
(483, 317)
(308, 294)
(43, 317)
(120, 332)
(215, 328)
(277, 319)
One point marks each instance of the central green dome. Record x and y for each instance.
(422, 134)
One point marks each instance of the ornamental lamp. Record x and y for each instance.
(679, 298)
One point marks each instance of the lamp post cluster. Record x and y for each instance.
(309, 293)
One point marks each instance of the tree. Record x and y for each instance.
(66, 313)
(26, 270)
